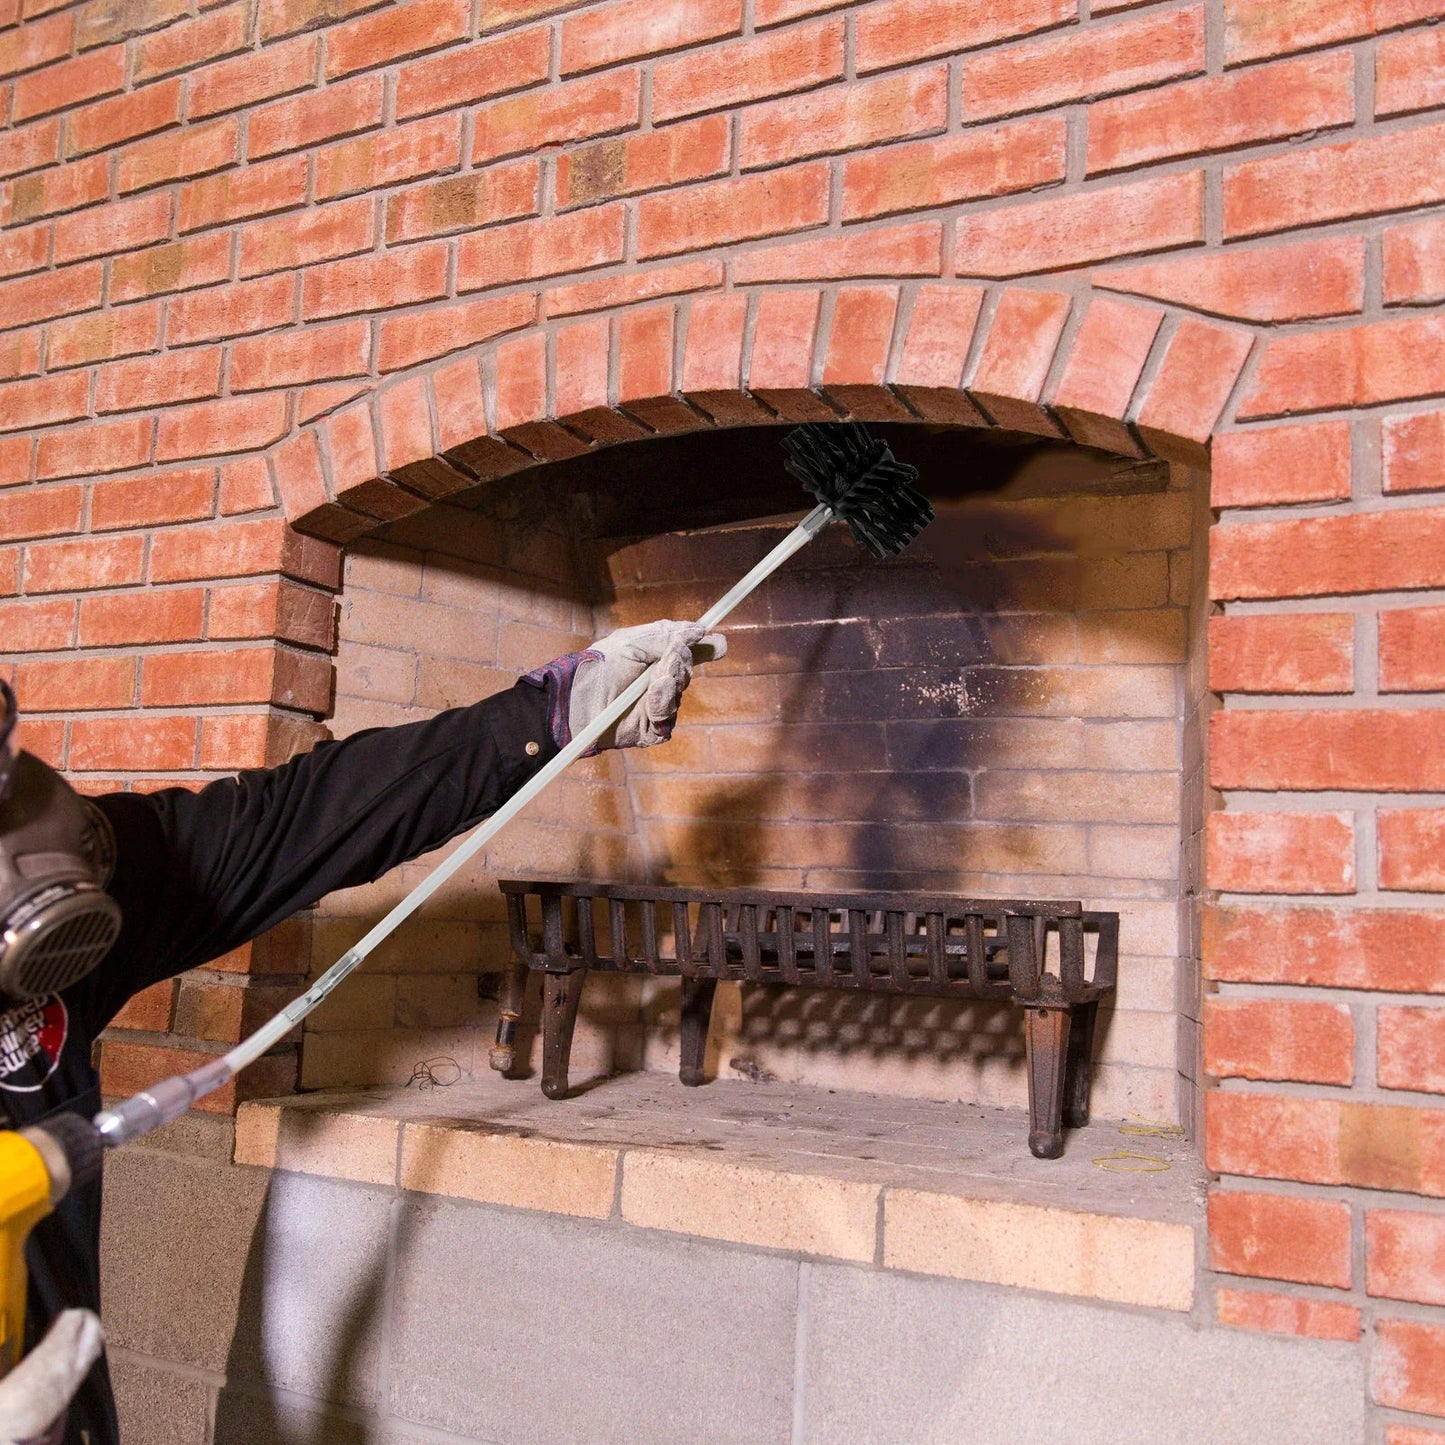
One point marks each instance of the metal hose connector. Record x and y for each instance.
(167, 1100)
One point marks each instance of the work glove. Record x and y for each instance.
(585, 682)
(35, 1394)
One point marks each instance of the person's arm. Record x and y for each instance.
(198, 874)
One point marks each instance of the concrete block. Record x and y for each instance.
(316, 1141)
(180, 1261)
(535, 1330)
(261, 1418)
(526, 1173)
(156, 1406)
(935, 1363)
(311, 1318)
(1063, 1251)
(716, 1199)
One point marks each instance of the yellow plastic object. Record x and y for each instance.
(24, 1202)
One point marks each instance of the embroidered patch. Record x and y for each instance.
(32, 1038)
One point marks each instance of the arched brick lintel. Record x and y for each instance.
(1120, 375)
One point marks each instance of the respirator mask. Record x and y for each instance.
(57, 852)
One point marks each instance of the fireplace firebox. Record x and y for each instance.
(1010, 711)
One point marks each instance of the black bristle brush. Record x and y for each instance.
(855, 479)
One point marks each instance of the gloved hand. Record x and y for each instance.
(583, 683)
(34, 1395)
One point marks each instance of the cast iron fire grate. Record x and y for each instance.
(900, 943)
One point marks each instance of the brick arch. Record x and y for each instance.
(1124, 376)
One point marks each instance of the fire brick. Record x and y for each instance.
(219, 234)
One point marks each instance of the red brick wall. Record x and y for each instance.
(265, 264)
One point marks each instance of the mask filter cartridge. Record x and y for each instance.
(56, 855)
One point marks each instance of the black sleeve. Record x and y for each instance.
(198, 874)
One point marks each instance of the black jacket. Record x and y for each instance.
(198, 874)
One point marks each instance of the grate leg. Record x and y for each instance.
(697, 997)
(1046, 1041)
(561, 993)
(509, 1013)
(1079, 1067)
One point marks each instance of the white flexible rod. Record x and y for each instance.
(170, 1098)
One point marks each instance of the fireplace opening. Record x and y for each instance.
(1014, 708)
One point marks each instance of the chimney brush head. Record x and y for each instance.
(858, 478)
